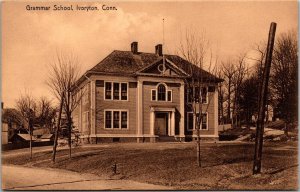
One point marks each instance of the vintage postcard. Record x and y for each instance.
(149, 95)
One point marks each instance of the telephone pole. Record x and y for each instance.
(262, 102)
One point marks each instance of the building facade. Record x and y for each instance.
(142, 97)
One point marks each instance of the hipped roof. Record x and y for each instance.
(126, 63)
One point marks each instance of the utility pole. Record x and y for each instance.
(262, 102)
(30, 126)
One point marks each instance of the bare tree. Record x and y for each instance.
(45, 113)
(229, 71)
(63, 74)
(238, 77)
(284, 73)
(248, 98)
(221, 97)
(12, 116)
(27, 107)
(194, 48)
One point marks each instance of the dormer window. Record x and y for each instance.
(161, 93)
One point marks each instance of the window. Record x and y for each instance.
(190, 121)
(107, 90)
(160, 68)
(124, 119)
(204, 94)
(108, 119)
(123, 91)
(116, 91)
(197, 94)
(116, 119)
(169, 98)
(161, 93)
(153, 95)
(204, 121)
(190, 95)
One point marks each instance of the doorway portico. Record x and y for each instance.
(162, 121)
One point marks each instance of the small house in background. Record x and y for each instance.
(4, 133)
(39, 132)
(46, 137)
(21, 138)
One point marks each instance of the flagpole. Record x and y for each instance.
(164, 67)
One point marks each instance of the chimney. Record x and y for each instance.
(158, 50)
(134, 47)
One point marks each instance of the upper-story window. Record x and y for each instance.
(204, 95)
(116, 91)
(161, 93)
(198, 92)
(123, 91)
(108, 89)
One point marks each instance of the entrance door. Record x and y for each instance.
(161, 123)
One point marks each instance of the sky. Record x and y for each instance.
(30, 39)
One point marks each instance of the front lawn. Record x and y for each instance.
(224, 166)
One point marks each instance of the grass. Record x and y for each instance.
(224, 166)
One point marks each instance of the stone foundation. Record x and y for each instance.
(95, 140)
(194, 139)
(116, 139)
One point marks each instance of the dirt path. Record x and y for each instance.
(24, 178)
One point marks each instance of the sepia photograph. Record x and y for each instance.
(156, 95)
